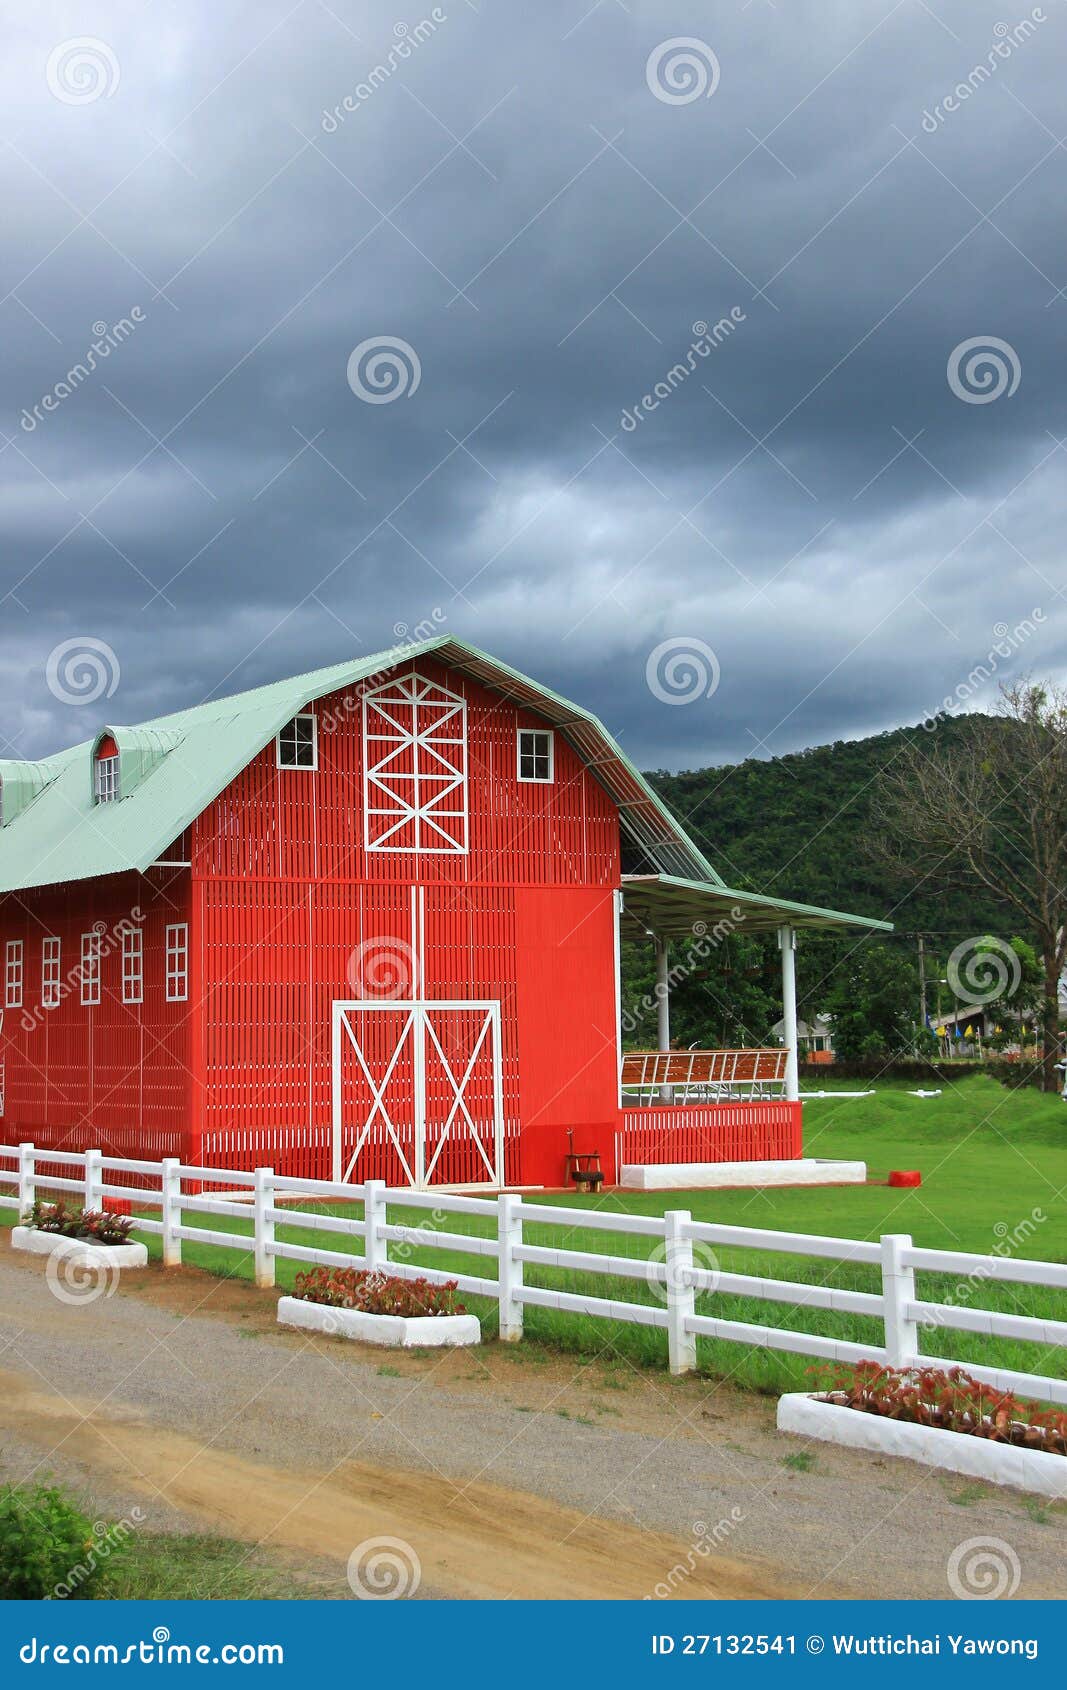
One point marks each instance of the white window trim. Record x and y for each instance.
(133, 965)
(300, 768)
(106, 779)
(13, 974)
(51, 970)
(536, 780)
(90, 970)
(177, 962)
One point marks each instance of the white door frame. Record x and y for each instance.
(419, 1012)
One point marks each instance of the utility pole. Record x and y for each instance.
(922, 985)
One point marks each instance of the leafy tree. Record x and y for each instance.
(872, 1001)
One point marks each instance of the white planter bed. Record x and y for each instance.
(393, 1330)
(79, 1251)
(684, 1176)
(957, 1452)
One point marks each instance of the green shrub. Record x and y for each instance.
(48, 1547)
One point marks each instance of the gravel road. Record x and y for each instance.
(510, 1473)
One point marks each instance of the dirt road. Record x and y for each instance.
(508, 1473)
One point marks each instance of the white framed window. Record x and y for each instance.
(132, 965)
(51, 959)
(415, 768)
(298, 743)
(90, 969)
(107, 779)
(536, 752)
(177, 962)
(13, 974)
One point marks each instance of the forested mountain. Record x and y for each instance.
(802, 826)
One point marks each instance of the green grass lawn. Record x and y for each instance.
(994, 1166)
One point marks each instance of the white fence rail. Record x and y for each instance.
(672, 1269)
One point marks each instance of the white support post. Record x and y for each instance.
(898, 1290)
(264, 1224)
(94, 1179)
(663, 1007)
(375, 1248)
(171, 1211)
(681, 1297)
(27, 1187)
(509, 1272)
(787, 942)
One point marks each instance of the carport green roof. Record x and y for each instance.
(54, 832)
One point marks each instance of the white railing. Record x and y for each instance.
(259, 1197)
(702, 1076)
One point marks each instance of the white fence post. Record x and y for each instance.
(171, 1211)
(375, 1248)
(94, 1179)
(509, 1271)
(27, 1189)
(264, 1222)
(898, 1290)
(681, 1297)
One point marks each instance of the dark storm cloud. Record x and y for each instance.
(812, 501)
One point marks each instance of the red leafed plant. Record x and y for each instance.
(92, 1225)
(376, 1293)
(953, 1401)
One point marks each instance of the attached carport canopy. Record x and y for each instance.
(684, 909)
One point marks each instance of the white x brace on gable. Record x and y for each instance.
(415, 767)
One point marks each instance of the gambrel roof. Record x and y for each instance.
(174, 767)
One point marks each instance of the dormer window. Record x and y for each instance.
(298, 743)
(536, 749)
(106, 779)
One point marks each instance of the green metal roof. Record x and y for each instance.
(172, 768)
(672, 908)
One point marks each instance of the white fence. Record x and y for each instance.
(670, 1270)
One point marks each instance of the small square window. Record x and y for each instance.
(298, 743)
(536, 755)
(107, 780)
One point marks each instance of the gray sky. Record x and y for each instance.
(509, 193)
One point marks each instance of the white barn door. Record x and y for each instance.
(418, 1092)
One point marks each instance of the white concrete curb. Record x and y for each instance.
(393, 1330)
(676, 1176)
(79, 1251)
(957, 1452)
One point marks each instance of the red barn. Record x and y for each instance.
(366, 923)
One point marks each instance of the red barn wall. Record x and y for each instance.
(112, 1075)
(293, 914)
